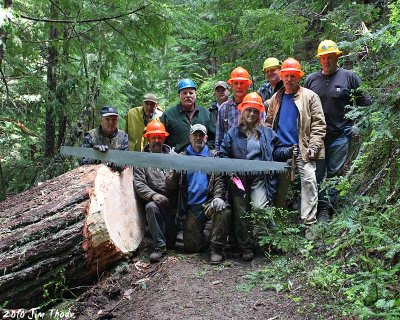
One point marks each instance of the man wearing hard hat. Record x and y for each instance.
(179, 119)
(337, 88)
(228, 113)
(295, 113)
(271, 68)
(153, 186)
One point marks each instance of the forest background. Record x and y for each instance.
(62, 60)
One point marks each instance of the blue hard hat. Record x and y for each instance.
(186, 83)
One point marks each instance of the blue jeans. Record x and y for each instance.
(336, 151)
(161, 223)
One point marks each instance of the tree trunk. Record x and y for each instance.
(50, 129)
(65, 232)
(3, 33)
(3, 39)
(3, 194)
(63, 95)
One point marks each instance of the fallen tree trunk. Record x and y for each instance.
(65, 232)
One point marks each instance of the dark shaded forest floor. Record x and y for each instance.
(185, 286)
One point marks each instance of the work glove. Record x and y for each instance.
(218, 204)
(160, 200)
(312, 154)
(293, 151)
(115, 167)
(100, 147)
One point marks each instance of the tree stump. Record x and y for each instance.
(65, 232)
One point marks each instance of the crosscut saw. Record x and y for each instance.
(178, 162)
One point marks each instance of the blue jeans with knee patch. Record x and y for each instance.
(336, 151)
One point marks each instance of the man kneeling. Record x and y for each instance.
(202, 200)
(151, 185)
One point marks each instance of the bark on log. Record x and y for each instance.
(65, 232)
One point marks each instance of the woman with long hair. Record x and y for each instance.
(251, 140)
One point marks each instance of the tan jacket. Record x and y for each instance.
(311, 122)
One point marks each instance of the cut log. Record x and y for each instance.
(65, 233)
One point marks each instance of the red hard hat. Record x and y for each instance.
(252, 100)
(240, 74)
(155, 127)
(291, 66)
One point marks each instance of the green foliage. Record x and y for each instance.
(354, 259)
(282, 275)
(53, 290)
(275, 230)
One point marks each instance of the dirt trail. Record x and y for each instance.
(187, 287)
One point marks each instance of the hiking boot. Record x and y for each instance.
(215, 257)
(308, 232)
(324, 215)
(247, 255)
(157, 254)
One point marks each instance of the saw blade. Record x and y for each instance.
(178, 162)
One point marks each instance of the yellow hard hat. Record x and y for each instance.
(327, 46)
(271, 63)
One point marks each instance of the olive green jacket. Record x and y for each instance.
(177, 124)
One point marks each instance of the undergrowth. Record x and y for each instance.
(354, 260)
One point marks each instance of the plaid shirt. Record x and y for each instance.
(266, 91)
(228, 117)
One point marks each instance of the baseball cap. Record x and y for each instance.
(198, 127)
(221, 84)
(150, 97)
(108, 111)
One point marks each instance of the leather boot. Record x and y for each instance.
(247, 255)
(216, 254)
(157, 254)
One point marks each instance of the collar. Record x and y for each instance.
(202, 153)
(181, 109)
(214, 106)
(145, 120)
(165, 148)
(281, 91)
(330, 75)
(259, 129)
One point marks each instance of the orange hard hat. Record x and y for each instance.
(252, 100)
(240, 74)
(155, 127)
(291, 66)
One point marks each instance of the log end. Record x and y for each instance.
(114, 225)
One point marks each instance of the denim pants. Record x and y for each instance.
(336, 151)
(161, 223)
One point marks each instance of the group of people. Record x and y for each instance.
(283, 121)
